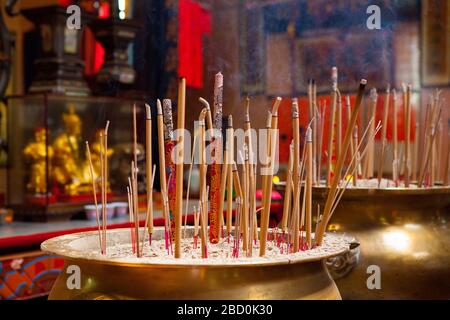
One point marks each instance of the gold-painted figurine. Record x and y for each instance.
(66, 162)
(35, 153)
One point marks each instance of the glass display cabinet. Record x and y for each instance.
(49, 176)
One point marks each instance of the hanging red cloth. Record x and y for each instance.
(194, 22)
(93, 52)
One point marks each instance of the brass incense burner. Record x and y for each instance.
(103, 278)
(403, 231)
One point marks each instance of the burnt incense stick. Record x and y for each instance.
(230, 142)
(415, 153)
(288, 192)
(214, 219)
(170, 167)
(321, 133)
(135, 135)
(244, 216)
(348, 112)
(148, 169)
(295, 172)
(383, 134)
(395, 166)
(265, 163)
(102, 182)
(268, 196)
(162, 160)
(131, 217)
(251, 169)
(308, 190)
(331, 136)
(368, 169)
(202, 167)
(179, 166)
(340, 162)
(135, 206)
(94, 190)
(353, 153)
(407, 136)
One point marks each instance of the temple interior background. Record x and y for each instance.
(59, 84)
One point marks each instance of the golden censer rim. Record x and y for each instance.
(62, 246)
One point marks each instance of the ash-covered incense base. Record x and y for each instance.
(120, 275)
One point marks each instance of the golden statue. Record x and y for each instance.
(36, 153)
(66, 161)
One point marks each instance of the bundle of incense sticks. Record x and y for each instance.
(170, 172)
(432, 121)
(340, 163)
(214, 218)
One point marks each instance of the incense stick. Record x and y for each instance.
(214, 219)
(407, 135)
(331, 135)
(179, 166)
(230, 142)
(162, 161)
(268, 195)
(288, 189)
(148, 170)
(308, 190)
(395, 166)
(295, 172)
(191, 164)
(369, 158)
(383, 134)
(94, 190)
(135, 135)
(202, 169)
(148, 218)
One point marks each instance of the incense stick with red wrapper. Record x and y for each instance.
(216, 169)
(169, 145)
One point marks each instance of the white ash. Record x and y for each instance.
(218, 254)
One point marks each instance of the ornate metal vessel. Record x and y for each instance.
(103, 278)
(404, 232)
